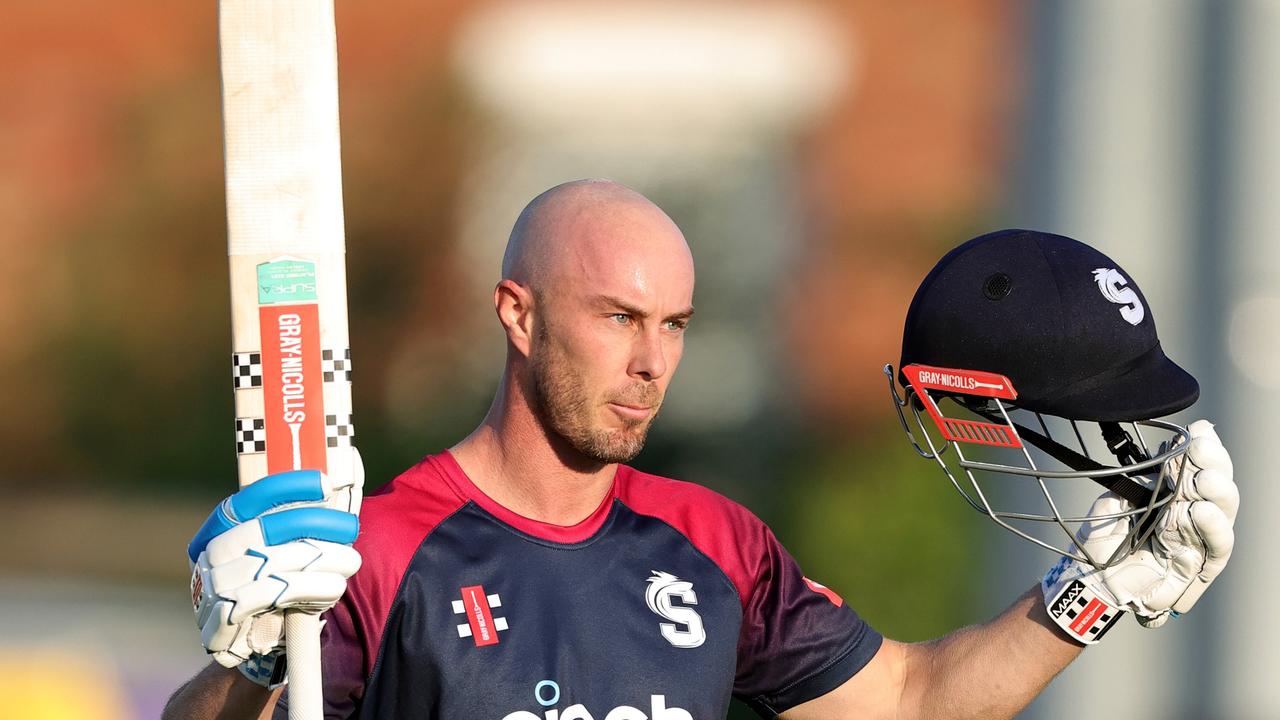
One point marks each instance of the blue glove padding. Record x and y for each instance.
(275, 491)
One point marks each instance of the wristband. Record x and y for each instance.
(1083, 614)
(270, 670)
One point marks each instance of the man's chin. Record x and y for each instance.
(619, 446)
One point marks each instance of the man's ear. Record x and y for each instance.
(514, 304)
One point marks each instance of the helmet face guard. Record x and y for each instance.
(983, 444)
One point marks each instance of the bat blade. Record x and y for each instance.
(285, 243)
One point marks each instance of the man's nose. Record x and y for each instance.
(649, 356)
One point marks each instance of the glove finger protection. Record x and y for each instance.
(312, 555)
(274, 585)
(1210, 472)
(1201, 527)
(302, 590)
(1197, 548)
(1213, 528)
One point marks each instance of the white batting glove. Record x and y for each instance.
(1190, 546)
(281, 543)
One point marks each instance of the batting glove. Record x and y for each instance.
(1190, 546)
(281, 543)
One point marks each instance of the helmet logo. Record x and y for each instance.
(1115, 288)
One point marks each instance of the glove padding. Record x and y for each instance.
(1190, 546)
(281, 543)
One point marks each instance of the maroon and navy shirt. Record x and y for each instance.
(665, 602)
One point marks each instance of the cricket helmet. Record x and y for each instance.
(1021, 339)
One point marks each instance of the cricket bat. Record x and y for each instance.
(285, 242)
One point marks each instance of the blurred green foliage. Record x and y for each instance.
(141, 358)
(885, 529)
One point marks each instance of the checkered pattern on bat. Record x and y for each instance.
(246, 370)
(338, 430)
(251, 435)
(336, 365)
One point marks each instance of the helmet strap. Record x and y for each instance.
(1122, 485)
(1121, 444)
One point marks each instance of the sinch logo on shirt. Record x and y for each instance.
(547, 693)
(685, 629)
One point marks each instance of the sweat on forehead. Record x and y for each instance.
(556, 227)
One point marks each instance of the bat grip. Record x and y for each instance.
(302, 644)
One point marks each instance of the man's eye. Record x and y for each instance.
(677, 325)
(620, 318)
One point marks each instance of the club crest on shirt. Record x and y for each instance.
(685, 627)
(481, 625)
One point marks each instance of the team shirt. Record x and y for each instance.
(665, 602)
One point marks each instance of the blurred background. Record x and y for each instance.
(820, 156)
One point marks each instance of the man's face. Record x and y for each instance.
(608, 337)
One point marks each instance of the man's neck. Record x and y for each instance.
(510, 458)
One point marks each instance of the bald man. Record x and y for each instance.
(528, 573)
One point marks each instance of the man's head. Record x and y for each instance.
(596, 290)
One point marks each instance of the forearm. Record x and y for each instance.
(218, 693)
(987, 671)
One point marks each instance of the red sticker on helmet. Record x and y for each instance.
(969, 382)
(966, 382)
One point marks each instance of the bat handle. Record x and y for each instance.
(302, 644)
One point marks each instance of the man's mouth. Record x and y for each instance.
(631, 412)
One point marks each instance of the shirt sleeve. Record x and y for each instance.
(799, 640)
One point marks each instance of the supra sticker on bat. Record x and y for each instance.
(286, 280)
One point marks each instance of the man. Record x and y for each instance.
(527, 573)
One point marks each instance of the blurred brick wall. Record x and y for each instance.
(908, 164)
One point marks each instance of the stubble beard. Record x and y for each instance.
(562, 402)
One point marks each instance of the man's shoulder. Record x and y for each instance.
(727, 533)
(410, 505)
(651, 494)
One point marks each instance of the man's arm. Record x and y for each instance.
(994, 670)
(219, 693)
(984, 671)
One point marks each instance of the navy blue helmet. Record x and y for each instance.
(1020, 339)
